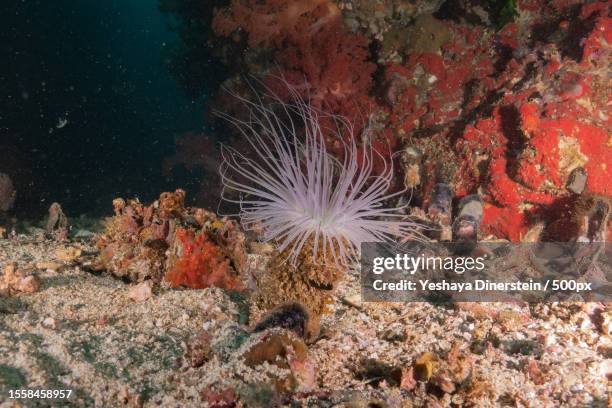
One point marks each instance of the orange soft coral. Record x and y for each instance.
(273, 21)
(314, 52)
(331, 69)
(200, 263)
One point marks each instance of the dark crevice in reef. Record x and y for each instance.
(571, 45)
(530, 73)
(469, 89)
(470, 12)
(561, 210)
(457, 127)
(569, 40)
(511, 128)
(504, 56)
(485, 108)
(428, 132)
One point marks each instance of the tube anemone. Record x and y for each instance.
(298, 194)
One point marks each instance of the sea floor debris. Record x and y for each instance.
(89, 332)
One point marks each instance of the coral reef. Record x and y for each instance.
(499, 113)
(550, 120)
(505, 99)
(168, 242)
(274, 21)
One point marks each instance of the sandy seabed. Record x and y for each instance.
(85, 332)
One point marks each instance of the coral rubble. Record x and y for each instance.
(15, 279)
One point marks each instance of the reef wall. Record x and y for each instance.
(507, 100)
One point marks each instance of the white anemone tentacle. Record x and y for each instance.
(294, 190)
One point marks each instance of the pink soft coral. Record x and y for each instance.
(273, 21)
(331, 69)
(327, 64)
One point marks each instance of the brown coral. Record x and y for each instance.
(172, 204)
(57, 222)
(286, 351)
(308, 282)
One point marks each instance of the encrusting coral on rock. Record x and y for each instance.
(197, 262)
(165, 241)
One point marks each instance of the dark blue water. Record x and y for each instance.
(88, 106)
